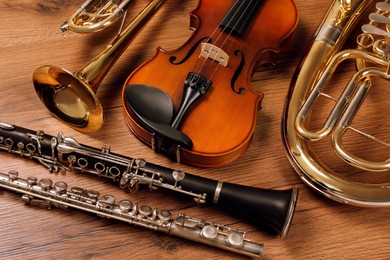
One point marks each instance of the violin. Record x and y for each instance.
(196, 103)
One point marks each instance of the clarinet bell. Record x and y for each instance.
(273, 209)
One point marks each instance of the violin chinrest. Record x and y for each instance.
(149, 102)
(154, 109)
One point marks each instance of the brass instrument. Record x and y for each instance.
(48, 194)
(71, 97)
(322, 58)
(96, 15)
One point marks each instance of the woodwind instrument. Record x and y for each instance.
(46, 193)
(271, 208)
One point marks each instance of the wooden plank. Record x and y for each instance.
(321, 228)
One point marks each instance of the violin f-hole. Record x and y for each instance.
(238, 71)
(172, 59)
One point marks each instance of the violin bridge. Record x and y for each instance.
(215, 53)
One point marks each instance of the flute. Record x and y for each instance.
(46, 193)
(273, 209)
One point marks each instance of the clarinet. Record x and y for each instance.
(45, 193)
(271, 209)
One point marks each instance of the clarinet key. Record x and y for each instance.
(35, 202)
(210, 232)
(60, 187)
(9, 143)
(125, 206)
(40, 203)
(31, 180)
(106, 202)
(26, 199)
(164, 216)
(186, 221)
(145, 211)
(93, 195)
(13, 175)
(77, 191)
(236, 239)
(45, 184)
(20, 146)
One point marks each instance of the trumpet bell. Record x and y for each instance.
(71, 97)
(68, 98)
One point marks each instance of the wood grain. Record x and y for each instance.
(321, 228)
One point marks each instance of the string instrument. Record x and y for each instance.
(196, 103)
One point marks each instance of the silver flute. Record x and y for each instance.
(46, 193)
(271, 209)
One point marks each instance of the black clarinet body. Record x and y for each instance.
(273, 209)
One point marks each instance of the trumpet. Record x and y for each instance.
(94, 16)
(322, 59)
(71, 97)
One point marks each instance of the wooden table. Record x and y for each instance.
(30, 37)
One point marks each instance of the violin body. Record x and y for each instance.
(222, 122)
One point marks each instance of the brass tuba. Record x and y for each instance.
(71, 96)
(321, 60)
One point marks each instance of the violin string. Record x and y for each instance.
(210, 38)
(225, 40)
(231, 43)
(221, 33)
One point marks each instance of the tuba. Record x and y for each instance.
(322, 61)
(71, 96)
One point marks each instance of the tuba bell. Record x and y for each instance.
(321, 62)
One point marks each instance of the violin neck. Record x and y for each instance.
(240, 16)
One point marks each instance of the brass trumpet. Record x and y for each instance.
(71, 96)
(322, 59)
(95, 15)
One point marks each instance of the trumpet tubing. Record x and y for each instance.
(95, 15)
(71, 97)
(46, 193)
(317, 68)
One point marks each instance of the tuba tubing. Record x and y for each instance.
(337, 24)
(271, 209)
